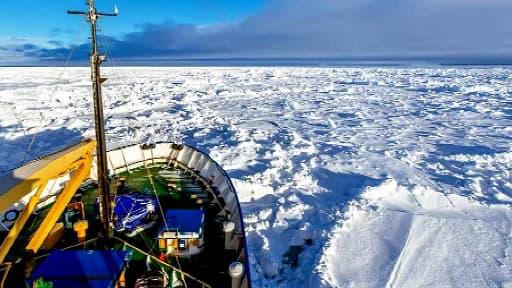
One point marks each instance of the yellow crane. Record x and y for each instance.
(75, 160)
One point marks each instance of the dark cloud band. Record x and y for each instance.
(365, 29)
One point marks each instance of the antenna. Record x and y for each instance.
(101, 152)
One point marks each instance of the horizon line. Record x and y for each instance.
(289, 61)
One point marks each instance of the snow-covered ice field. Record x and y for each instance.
(347, 177)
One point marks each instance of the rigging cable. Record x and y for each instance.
(150, 176)
(116, 71)
(183, 273)
(104, 41)
(125, 208)
(51, 99)
(108, 51)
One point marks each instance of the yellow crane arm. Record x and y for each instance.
(83, 171)
(75, 159)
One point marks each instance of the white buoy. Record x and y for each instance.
(228, 228)
(236, 272)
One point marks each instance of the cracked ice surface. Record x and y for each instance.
(400, 176)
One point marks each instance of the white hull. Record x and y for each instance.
(125, 158)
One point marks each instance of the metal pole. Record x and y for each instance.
(101, 149)
(101, 152)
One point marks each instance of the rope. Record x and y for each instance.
(7, 268)
(104, 41)
(112, 211)
(69, 247)
(183, 273)
(156, 196)
(161, 212)
(51, 99)
(150, 177)
(179, 266)
(163, 217)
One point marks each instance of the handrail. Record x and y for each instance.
(168, 158)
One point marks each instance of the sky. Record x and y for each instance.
(161, 31)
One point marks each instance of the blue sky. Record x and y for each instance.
(18, 15)
(163, 30)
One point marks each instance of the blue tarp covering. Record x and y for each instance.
(131, 209)
(81, 268)
(184, 220)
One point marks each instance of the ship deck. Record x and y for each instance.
(175, 189)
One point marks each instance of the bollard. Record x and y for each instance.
(228, 228)
(236, 272)
(80, 228)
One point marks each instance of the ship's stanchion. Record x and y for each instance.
(228, 228)
(236, 272)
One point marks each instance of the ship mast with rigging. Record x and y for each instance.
(95, 60)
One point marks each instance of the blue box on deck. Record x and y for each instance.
(81, 268)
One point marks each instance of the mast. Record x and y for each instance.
(95, 60)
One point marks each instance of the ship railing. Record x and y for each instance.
(123, 158)
(126, 157)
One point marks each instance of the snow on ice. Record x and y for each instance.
(348, 177)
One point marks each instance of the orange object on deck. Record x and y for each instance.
(80, 228)
(161, 243)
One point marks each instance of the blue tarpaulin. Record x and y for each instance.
(184, 220)
(81, 268)
(131, 209)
